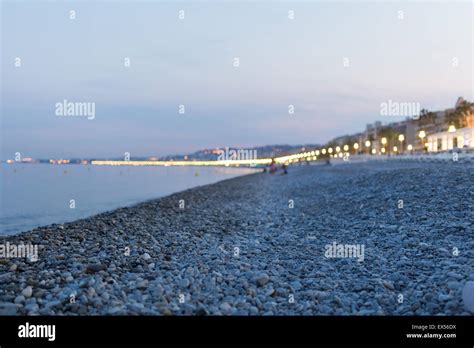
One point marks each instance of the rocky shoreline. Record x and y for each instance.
(258, 245)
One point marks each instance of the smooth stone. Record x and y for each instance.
(388, 285)
(142, 284)
(9, 308)
(114, 310)
(325, 309)
(136, 307)
(253, 310)
(31, 308)
(27, 292)
(296, 285)
(91, 292)
(321, 295)
(19, 299)
(55, 303)
(93, 268)
(453, 285)
(201, 311)
(184, 283)
(432, 307)
(262, 279)
(269, 292)
(444, 298)
(451, 305)
(225, 307)
(454, 275)
(468, 296)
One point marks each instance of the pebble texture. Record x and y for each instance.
(239, 249)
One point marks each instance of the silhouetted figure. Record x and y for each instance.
(273, 167)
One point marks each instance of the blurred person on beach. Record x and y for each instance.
(273, 167)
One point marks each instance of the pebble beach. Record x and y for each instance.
(257, 245)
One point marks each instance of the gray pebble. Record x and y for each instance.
(468, 296)
(27, 292)
(262, 279)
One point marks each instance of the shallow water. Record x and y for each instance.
(33, 195)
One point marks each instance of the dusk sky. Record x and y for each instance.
(190, 62)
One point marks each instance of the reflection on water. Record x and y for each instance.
(40, 194)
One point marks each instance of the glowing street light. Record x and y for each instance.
(323, 151)
(367, 145)
(346, 148)
(338, 149)
(317, 152)
(330, 150)
(452, 129)
(382, 149)
(383, 141)
(410, 147)
(422, 135)
(401, 139)
(395, 149)
(374, 151)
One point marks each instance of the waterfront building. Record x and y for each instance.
(429, 131)
(456, 138)
(456, 130)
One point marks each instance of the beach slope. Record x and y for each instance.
(380, 238)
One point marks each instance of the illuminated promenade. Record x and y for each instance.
(183, 163)
(302, 156)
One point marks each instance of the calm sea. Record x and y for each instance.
(33, 195)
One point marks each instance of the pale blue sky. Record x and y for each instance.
(190, 62)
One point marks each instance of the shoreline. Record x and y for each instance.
(99, 209)
(133, 206)
(238, 248)
(368, 159)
